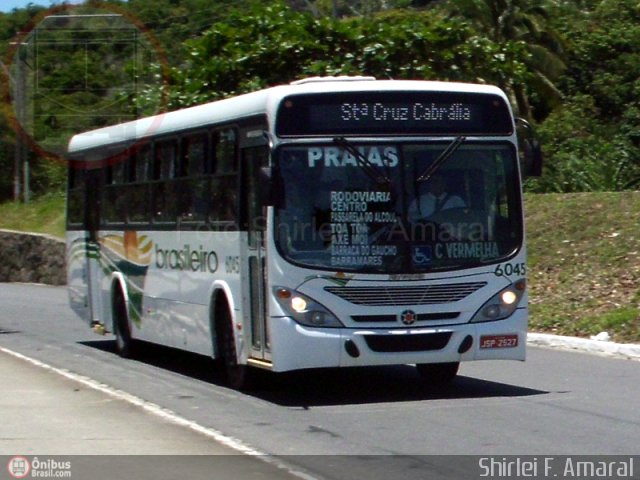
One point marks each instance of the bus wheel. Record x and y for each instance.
(125, 345)
(237, 376)
(438, 373)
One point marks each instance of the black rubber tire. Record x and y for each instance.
(125, 344)
(237, 376)
(438, 373)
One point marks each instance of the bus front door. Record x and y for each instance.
(92, 247)
(253, 158)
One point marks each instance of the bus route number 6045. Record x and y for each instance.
(510, 269)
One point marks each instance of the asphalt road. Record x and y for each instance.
(374, 422)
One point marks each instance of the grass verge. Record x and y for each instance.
(584, 264)
(44, 214)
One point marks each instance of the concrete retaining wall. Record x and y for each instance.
(31, 258)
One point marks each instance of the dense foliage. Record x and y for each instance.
(593, 141)
(275, 44)
(571, 66)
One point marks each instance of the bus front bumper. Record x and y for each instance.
(299, 347)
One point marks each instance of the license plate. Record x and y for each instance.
(499, 341)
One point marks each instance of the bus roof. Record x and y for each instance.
(262, 102)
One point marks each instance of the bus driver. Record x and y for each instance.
(435, 199)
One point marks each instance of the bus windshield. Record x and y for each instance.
(370, 207)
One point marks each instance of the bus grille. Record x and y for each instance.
(406, 295)
(420, 317)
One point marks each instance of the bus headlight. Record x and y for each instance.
(304, 309)
(503, 304)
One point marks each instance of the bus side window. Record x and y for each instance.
(194, 155)
(165, 159)
(114, 200)
(192, 191)
(138, 209)
(226, 151)
(138, 162)
(118, 171)
(222, 201)
(132, 168)
(223, 208)
(164, 191)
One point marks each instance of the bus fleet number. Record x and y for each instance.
(232, 264)
(509, 269)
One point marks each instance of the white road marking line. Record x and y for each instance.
(166, 414)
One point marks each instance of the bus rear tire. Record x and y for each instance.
(125, 344)
(236, 375)
(438, 373)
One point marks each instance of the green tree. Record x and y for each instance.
(275, 44)
(174, 21)
(527, 21)
(249, 50)
(605, 61)
(593, 140)
(347, 8)
(584, 152)
(428, 45)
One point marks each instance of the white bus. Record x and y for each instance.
(332, 222)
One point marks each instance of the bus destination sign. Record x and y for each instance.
(401, 112)
(395, 113)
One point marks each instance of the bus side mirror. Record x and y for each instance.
(533, 158)
(530, 151)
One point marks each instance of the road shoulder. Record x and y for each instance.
(610, 349)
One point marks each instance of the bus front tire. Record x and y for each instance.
(125, 345)
(237, 376)
(438, 373)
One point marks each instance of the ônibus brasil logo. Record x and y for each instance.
(19, 467)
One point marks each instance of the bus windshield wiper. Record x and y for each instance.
(369, 168)
(443, 157)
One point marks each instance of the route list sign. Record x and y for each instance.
(351, 216)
